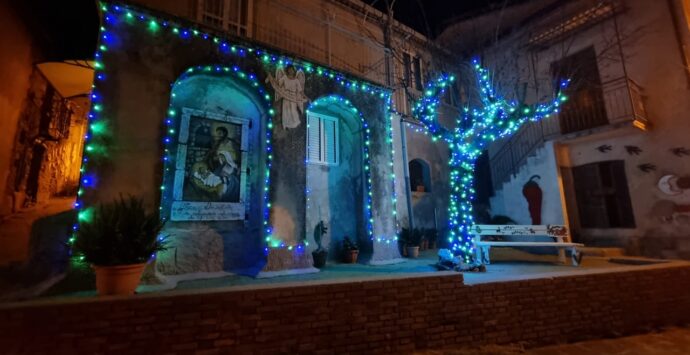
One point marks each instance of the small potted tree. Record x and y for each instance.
(413, 243)
(320, 253)
(351, 250)
(432, 237)
(118, 240)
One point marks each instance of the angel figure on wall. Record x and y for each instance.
(289, 89)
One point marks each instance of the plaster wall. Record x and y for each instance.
(510, 202)
(652, 55)
(430, 208)
(139, 67)
(344, 36)
(16, 64)
(336, 192)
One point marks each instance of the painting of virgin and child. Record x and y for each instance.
(212, 169)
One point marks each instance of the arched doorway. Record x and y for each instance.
(213, 184)
(336, 177)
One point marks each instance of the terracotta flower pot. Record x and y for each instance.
(351, 256)
(412, 252)
(118, 280)
(424, 245)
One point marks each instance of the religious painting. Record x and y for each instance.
(288, 84)
(210, 168)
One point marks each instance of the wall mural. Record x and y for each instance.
(647, 167)
(680, 151)
(633, 150)
(289, 95)
(533, 195)
(604, 148)
(677, 202)
(209, 174)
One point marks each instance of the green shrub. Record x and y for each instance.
(121, 232)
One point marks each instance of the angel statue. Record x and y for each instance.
(289, 88)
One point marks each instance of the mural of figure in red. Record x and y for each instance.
(533, 194)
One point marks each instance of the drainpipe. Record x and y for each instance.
(677, 25)
(406, 171)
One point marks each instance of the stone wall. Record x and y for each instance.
(389, 316)
(15, 70)
(136, 95)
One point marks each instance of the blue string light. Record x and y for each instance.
(494, 119)
(97, 139)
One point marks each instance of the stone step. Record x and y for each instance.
(604, 252)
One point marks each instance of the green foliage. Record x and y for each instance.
(121, 232)
(416, 237)
(431, 234)
(319, 231)
(348, 244)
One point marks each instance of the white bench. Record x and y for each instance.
(558, 232)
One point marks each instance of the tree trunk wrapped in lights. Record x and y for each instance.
(495, 118)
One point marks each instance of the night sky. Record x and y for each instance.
(429, 17)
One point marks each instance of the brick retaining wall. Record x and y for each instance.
(399, 315)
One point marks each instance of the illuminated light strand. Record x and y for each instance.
(95, 150)
(495, 119)
(336, 99)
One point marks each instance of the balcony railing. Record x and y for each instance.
(622, 106)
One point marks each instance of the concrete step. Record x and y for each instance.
(604, 252)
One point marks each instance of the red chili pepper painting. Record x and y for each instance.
(533, 194)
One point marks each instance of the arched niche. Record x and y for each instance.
(420, 175)
(337, 187)
(213, 179)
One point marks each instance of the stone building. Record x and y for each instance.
(43, 106)
(249, 122)
(614, 164)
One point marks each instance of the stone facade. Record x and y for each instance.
(641, 63)
(148, 81)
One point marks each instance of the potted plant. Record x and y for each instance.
(413, 243)
(423, 241)
(351, 250)
(432, 237)
(118, 240)
(320, 253)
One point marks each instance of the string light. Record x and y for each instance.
(494, 119)
(98, 138)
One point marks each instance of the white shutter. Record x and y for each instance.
(322, 139)
(313, 139)
(330, 141)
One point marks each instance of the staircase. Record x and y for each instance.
(509, 155)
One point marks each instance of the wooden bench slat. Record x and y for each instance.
(552, 230)
(559, 233)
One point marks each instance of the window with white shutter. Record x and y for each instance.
(322, 139)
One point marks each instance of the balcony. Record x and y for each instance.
(617, 104)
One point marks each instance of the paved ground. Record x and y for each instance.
(509, 264)
(16, 229)
(666, 342)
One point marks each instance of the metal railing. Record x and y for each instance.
(622, 106)
(54, 114)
